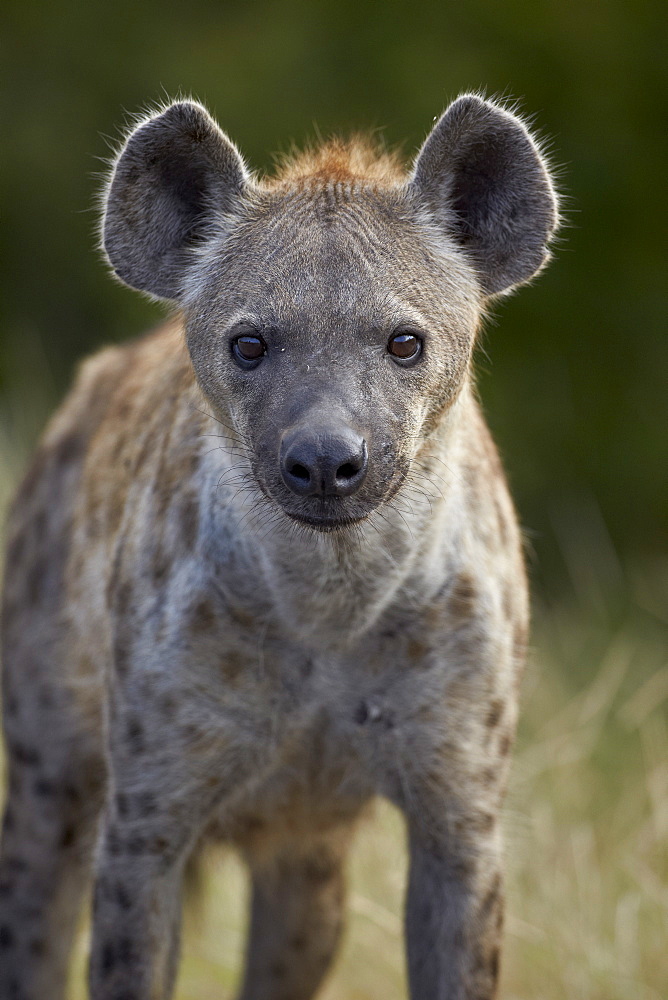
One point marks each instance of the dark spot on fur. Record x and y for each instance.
(6, 937)
(462, 600)
(122, 806)
(113, 955)
(489, 776)
(426, 714)
(6, 889)
(146, 804)
(190, 732)
(159, 845)
(25, 755)
(69, 449)
(160, 567)
(124, 950)
(203, 616)
(45, 698)
(37, 581)
(108, 958)
(37, 947)
(416, 650)
(458, 939)
(168, 703)
(44, 788)
(298, 942)
(135, 844)
(485, 822)
(361, 713)
(15, 782)
(492, 897)
(121, 654)
(32, 477)
(494, 714)
(122, 599)
(72, 794)
(114, 844)
(135, 735)
(320, 868)
(122, 897)
(69, 836)
(232, 666)
(15, 553)
(505, 744)
(16, 864)
(15, 990)
(279, 970)
(189, 520)
(520, 638)
(8, 822)
(242, 617)
(494, 963)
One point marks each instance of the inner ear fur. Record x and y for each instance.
(484, 180)
(176, 170)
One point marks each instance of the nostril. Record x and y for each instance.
(299, 471)
(347, 471)
(322, 462)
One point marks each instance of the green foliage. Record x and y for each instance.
(573, 373)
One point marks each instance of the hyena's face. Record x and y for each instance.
(330, 312)
(332, 329)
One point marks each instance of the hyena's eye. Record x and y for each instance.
(248, 350)
(405, 347)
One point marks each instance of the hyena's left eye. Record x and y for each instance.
(405, 347)
(248, 350)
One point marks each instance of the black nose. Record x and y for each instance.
(322, 462)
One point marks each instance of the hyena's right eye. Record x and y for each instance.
(405, 347)
(248, 350)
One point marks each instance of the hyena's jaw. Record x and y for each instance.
(327, 523)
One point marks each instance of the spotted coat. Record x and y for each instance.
(218, 621)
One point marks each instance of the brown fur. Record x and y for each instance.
(338, 161)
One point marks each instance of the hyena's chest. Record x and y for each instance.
(320, 724)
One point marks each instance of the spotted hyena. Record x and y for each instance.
(264, 565)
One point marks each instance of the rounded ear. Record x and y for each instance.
(175, 172)
(485, 181)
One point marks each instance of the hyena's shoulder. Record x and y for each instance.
(88, 453)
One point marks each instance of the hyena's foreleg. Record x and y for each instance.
(296, 918)
(55, 790)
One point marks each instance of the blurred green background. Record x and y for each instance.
(572, 373)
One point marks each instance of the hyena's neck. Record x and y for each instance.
(316, 581)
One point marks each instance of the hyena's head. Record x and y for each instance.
(331, 310)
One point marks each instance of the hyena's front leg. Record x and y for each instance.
(137, 900)
(296, 917)
(453, 794)
(454, 916)
(166, 778)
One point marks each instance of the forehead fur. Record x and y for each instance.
(359, 158)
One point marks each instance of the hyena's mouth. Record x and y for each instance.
(326, 522)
